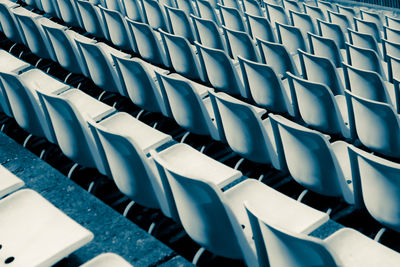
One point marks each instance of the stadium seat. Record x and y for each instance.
(232, 4)
(324, 168)
(340, 19)
(179, 23)
(231, 17)
(107, 259)
(207, 33)
(292, 5)
(373, 17)
(392, 35)
(9, 182)
(153, 13)
(276, 13)
(9, 23)
(334, 32)
(326, 6)
(383, 138)
(319, 108)
(326, 47)
(303, 21)
(291, 37)
(50, 7)
(314, 11)
(69, 12)
(394, 70)
(240, 44)
(206, 11)
(390, 49)
(368, 27)
(92, 19)
(392, 22)
(186, 6)
(365, 40)
(132, 10)
(349, 11)
(260, 27)
(252, 7)
(265, 88)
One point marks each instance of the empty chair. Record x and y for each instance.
(34, 35)
(50, 7)
(392, 34)
(390, 49)
(181, 56)
(107, 259)
(275, 14)
(384, 137)
(364, 40)
(302, 21)
(285, 247)
(334, 32)
(370, 85)
(233, 4)
(153, 14)
(319, 109)
(260, 27)
(186, 6)
(373, 17)
(190, 106)
(92, 19)
(265, 88)
(207, 11)
(240, 44)
(368, 27)
(312, 161)
(291, 37)
(365, 59)
(9, 182)
(314, 12)
(325, 47)
(99, 65)
(65, 48)
(132, 10)
(69, 12)
(252, 7)
(277, 56)
(393, 23)
(179, 23)
(68, 112)
(118, 29)
(52, 235)
(350, 12)
(231, 17)
(394, 72)
(126, 142)
(326, 6)
(147, 43)
(340, 19)
(291, 5)
(138, 80)
(376, 180)
(112, 4)
(21, 93)
(207, 33)
(9, 23)
(220, 70)
(246, 133)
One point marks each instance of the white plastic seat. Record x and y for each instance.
(153, 14)
(240, 44)
(232, 18)
(334, 32)
(126, 142)
(368, 27)
(291, 37)
(366, 41)
(291, 5)
(51, 236)
(276, 13)
(303, 21)
(260, 28)
(186, 6)
(208, 33)
(252, 7)
(14, 64)
(326, 6)
(69, 13)
(107, 260)
(340, 19)
(68, 112)
(376, 180)
(132, 10)
(384, 137)
(391, 34)
(326, 47)
(207, 11)
(312, 161)
(314, 11)
(9, 23)
(233, 4)
(179, 23)
(373, 17)
(390, 49)
(92, 19)
(8, 182)
(392, 22)
(394, 72)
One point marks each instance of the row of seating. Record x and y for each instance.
(50, 236)
(192, 178)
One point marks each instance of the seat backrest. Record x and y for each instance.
(207, 33)
(318, 168)
(321, 70)
(340, 19)
(291, 5)
(260, 28)
(231, 17)
(132, 10)
(364, 40)
(347, 10)
(69, 12)
(200, 204)
(314, 11)
(264, 86)
(50, 7)
(275, 14)
(277, 247)
(392, 22)
(147, 44)
(392, 35)
(390, 49)
(367, 84)
(326, 6)
(154, 14)
(368, 27)
(186, 6)
(206, 11)
(378, 182)
(317, 106)
(332, 31)
(291, 37)
(365, 59)
(92, 18)
(243, 129)
(240, 44)
(187, 107)
(220, 71)
(181, 56)
(252, 7)
(277, 56)
(179, 23)
(373, 17)
(302, 21)
(393, 69)
(9, 24)
(325, 47)
(384, 137)
(233, 4)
